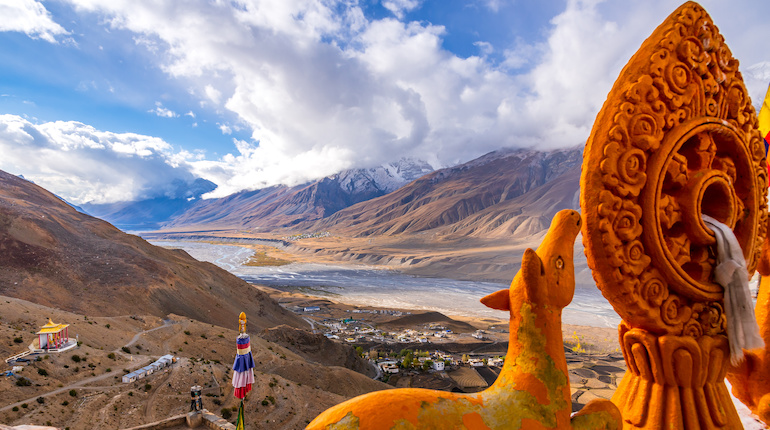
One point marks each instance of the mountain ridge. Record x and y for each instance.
(284, 207)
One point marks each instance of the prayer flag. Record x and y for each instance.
(243, 367)
(764, 122)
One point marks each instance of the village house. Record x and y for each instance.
(475, 362)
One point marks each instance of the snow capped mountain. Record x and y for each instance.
(385, 178)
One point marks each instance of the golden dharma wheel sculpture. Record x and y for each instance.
(676, 138)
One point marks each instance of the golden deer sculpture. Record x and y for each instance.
(532, 390)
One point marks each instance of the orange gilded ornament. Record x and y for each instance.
(676, 138)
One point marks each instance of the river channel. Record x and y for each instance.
(369, 286)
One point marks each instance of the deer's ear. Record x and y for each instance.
(500, 300)
(532, 272)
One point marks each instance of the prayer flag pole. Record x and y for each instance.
(243, 368)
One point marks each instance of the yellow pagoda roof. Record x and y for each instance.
(52, 327)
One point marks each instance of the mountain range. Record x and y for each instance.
(471, 221)
(311, 201)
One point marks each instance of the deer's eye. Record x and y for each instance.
(559, 263)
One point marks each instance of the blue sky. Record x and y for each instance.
(113, 100)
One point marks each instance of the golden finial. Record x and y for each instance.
(242, 322)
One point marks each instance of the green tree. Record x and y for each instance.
(406, 361)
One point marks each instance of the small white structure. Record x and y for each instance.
(163, 362)
(475, 362)
(498, 362)
(478, 335)
(389, 367)
(312, 309)
(438, 365)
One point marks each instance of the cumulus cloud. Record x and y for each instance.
(323, 88)
(29, 17)
(83, 164)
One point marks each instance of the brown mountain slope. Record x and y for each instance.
(524, 215)
(464, 196)
(58, 257)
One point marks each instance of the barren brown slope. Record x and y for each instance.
(58, 257)
(449, 196)
(525, 215)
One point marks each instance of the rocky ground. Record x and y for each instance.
(87, 392)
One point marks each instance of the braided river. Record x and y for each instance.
(369, 286)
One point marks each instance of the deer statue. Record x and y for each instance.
(532, 390)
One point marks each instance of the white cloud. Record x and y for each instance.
(225, 128)
(485, 48)
(323, 88)
(494, 5)
(83, 164)
(191, 114)
(163, 112)
(213, 94)
(29, 17)
(398, 7)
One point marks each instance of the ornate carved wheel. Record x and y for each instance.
(675, 139)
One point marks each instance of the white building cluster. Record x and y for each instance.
(159, 364)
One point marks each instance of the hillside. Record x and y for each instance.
(56, 256)
(87, 392)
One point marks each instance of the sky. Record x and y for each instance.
(103, 101)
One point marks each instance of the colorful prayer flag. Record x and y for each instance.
(243, 367)
(764, 118)
(764, 123)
